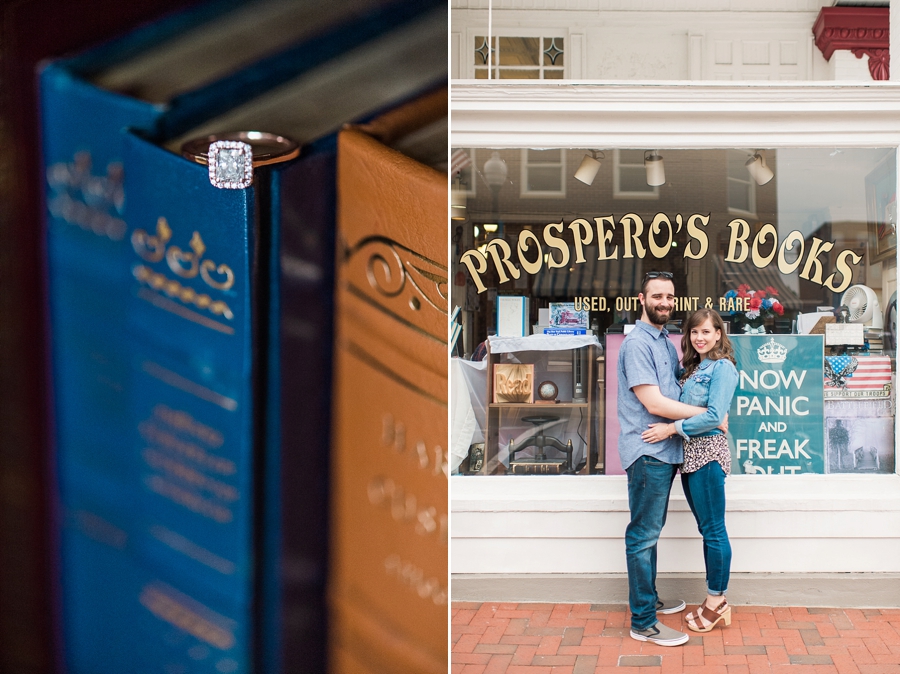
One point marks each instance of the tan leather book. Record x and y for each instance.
(388, 593)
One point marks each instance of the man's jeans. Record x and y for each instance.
(705, 494)
(649, 484)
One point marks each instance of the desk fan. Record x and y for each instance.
(864, 306)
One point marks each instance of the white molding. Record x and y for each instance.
(576, 59)
(584, 493)
(457, 65)
(811, 50)
(675, 115)
(777, 524)
(695, 56)
(850, 590)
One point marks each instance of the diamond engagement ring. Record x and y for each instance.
(231, 157)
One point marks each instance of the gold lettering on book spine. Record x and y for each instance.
(185, 422)
(208, 267)
(155, 247)
(176, 258)
(150, 247)
(187, 295)
(414, 578)
(91, 202)
(166, 607)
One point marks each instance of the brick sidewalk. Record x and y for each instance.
(493, 638)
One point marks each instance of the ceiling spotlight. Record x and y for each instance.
(756, 165)
(589, 167)
(656, 170)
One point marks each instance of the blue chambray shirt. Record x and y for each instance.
(712, 386)
(646, 357)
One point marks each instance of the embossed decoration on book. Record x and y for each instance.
(406, 279)
(153, 248)
(90, 202)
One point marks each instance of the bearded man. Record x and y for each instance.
(648, 393)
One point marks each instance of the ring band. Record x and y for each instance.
(231, 157)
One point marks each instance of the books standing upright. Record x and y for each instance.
(388, 590)
(192, 326)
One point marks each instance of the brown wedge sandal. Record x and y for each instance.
(703, 618)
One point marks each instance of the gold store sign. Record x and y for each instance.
(791, 253)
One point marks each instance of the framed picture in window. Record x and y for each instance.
(881, 210)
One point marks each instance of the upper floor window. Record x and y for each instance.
(543, 173)
(741, 186)
(520, 58)
(630, 176)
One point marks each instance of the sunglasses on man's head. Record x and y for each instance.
(659, 274)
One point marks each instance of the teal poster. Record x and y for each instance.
(775, 424)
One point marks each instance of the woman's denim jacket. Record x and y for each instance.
(711, 386)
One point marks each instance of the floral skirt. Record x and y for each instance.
(700, 451)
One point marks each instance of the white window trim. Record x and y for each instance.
(622, 194)
(744, 180)
(515, 114)
(525, 193)
(499, 32)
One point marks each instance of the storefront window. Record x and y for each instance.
(796, 248)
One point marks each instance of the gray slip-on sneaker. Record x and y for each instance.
(669, 606)
(660, 635)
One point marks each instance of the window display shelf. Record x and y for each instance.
(537, 406)
(533, 438)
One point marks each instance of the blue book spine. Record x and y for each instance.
(197, 368)
(86, 238)
(230, 328)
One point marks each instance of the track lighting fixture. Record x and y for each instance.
(590, 165)
(756, 165)
(656, 170)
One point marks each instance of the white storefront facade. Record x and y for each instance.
(704, 88)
